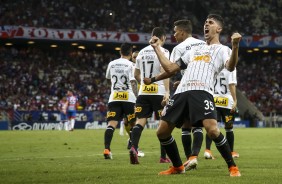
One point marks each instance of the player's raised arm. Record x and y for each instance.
(232, 62)
(167, 65)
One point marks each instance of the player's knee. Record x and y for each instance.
(213, 132)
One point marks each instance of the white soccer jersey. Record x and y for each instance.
(120, 71)
(180, 49)
(149, 65)
(222, 94)
(203, 63)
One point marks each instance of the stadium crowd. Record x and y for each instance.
(259, 78)
(260, 16)
(34, 79)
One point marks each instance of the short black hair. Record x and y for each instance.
(158, 32)
(185, 25)
(126, 49)
(218, 18)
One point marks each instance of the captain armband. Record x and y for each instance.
(181, 64)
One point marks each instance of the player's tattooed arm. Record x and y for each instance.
(134, 85)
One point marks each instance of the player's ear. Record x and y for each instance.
(219, 29)
(163, 38)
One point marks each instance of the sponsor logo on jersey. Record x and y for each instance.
(138, 109)
(111, 114)
(205, 58)
(120, 95)
(152, 88)
(195, 83)
(221, 101)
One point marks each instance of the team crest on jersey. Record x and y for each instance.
(152, 88)
(120, 95)
(221, 101)
(111, 114)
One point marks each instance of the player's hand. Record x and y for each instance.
(165, 99)
(235, 39)
(234, 107)
(175, 84)
(154, 41)
(147, 81)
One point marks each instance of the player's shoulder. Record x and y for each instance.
(146, 50)
(164, 50)
(189, 43)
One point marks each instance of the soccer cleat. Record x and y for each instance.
(165, 160)
(235, 154)
(129, 144)
(191, 163)
(208, 154)
(133, 156)
(107, 154)
(140, 153)
(234, 171)
(173, 170)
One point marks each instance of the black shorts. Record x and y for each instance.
(225, 115)
(119, 110)
(193, 105)
(147, 104)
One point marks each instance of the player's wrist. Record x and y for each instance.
(153, 79)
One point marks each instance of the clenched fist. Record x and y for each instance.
(154, 41)
(235, 38)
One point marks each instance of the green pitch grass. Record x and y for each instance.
(76, 157)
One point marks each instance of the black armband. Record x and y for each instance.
(153, 79)
(181, 64)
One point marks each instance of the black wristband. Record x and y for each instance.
(153, 79)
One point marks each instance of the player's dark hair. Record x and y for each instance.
(126, 49)
(185, 25)
(158, 32)
(217, 18)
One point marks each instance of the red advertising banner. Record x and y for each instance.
(14, 32)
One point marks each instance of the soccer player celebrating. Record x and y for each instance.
(123, 96)
(193, 98)
(226, 103)
(150, 97)
(183, 35)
